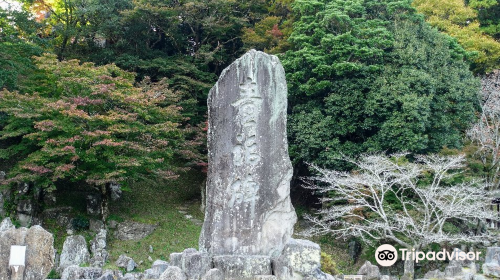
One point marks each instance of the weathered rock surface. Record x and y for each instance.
(371, 271)
(39, 252)
(133, 230)
(6, 225)
(242, 267)
(98, 249)
(434, 274)
(74, 252)
(74, 272)
(248, 209)
(491, 266)
(193, 263)
(173, 273)
(116, 191)
(126, 262)
(300, 258)
(96, 225)
(213, 274)
(93, 204)
(156, 269)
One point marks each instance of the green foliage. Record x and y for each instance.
(457, 19)
(53, 275)
(91, 124)
(80, 223)
(370, 76)
(328, 265)
(16, 64)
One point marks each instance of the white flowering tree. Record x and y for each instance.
(485, 134)
(408, 203)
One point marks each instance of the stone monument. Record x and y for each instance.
(249, 217)
(248, 210)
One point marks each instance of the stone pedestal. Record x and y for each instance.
(243, 267)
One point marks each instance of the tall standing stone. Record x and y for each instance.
(248, 209)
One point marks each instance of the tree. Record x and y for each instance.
(485, 134)
(17, 45)
(412, 204)
(92, 125)
(457, 19)
(370, 76)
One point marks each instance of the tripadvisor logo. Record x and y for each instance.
(387, 255)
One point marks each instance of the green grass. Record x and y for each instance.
(158, 203)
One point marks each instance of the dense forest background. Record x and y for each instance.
(98, 92)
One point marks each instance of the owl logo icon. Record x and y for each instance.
(386, 255)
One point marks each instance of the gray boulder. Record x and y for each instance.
(74, 272)
(213, 274)
(173, 273)
(372, 272)
(74, 252)
(452, 271)
(6, 225)
(134, 276)
(491, 266)
(176, 259)
(107, 276)
(300, 258)
(133, 230)
(194, 263)
(156, 269)
(126, 262)
(492, 255)
(98, 248)
(39, 250)
(491, 270)
(434, 274)
(478, 277)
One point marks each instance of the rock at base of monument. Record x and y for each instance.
(265, 277)
(213, 274)
(74, 272)
(242, 267)
(193, 263)
(300, 258)
(156, 269)
(173, 273)
(491, 269)
(319, 275)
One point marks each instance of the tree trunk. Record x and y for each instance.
(409, 266)
(104, 203)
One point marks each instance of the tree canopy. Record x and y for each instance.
(370, 76)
